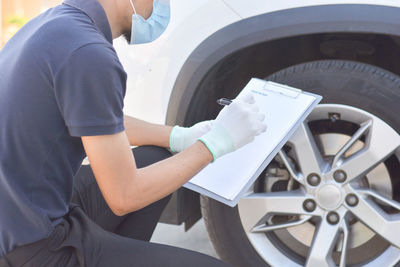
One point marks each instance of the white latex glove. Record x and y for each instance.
(182, 137)
(235, 126)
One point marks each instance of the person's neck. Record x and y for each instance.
(113, 19)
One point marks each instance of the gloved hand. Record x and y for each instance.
(235, 126)
(182, 137)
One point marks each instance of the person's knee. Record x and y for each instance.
(147, 155)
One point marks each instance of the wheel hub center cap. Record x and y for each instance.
(329, 197)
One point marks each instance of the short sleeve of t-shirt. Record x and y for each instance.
(89, 89)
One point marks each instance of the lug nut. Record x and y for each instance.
(313, 179)
(351, 200)
(340, 176)
(333, 217)
(309, 205)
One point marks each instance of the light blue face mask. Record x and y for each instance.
(146, 31)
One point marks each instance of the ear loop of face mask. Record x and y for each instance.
(134, 9)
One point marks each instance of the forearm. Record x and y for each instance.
(141, 133)
(162, 178)
(127, 188)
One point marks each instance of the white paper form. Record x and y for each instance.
(283, 108)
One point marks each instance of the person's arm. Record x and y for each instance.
(127, 188)
(141, 133)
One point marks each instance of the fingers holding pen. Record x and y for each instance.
(235, 126)
(247, 98)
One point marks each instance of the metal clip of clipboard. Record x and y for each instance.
(282, 89)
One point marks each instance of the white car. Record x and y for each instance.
(332, 197)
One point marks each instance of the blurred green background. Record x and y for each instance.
(15, 13)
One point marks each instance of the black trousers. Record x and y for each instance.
(91, 235)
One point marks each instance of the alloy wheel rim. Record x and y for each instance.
(331, 196)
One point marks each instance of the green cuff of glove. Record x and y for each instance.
(175, 137)
(218, 141)
(209, 148)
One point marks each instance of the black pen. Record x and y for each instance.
(224, 101)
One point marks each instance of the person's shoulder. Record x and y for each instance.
(96, 54)
(92, 59)
(56, 33)
(69, 34)
(68, 25)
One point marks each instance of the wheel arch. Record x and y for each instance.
(296, 22)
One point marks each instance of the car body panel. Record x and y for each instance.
(153, 69)
(249, 8)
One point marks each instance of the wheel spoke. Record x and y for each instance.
(307, 153)
(267, 228)
(380, 143)
(387, 201)
(384, 224)
(289, 166)
(324, 240)
(360, 132)
(345, 242)
(254, 207)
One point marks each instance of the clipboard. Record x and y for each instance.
(229, 177)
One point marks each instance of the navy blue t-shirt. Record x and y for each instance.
(60, 79)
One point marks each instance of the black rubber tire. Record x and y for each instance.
(341, 82)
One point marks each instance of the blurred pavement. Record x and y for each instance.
(195, 239)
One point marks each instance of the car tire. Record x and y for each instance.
(350, 83)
